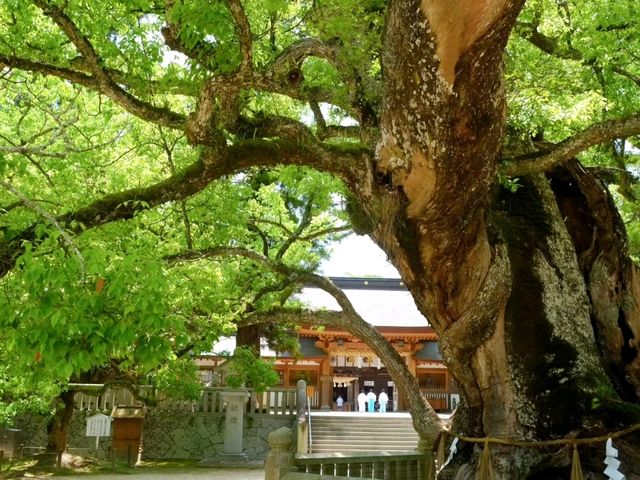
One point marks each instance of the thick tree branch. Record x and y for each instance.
(424, 417)
(572, 146)
(352, 166)
(294, 55)
(552, 46)
(284, 75)
(243, 30)
(329, 318)
(78, 75)
(79, 78)
(101, 79)
(272, 126)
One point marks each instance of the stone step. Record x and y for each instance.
(341, 448)
(361, 428)
(386, 428)
(362, 439)
(363, 418)
(362, 433)
(351, 435)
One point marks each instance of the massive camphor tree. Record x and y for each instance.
(455, 128)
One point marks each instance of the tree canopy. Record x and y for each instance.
(172, 168)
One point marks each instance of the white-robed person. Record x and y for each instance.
(371, 401)
(362, 399)
(383, 399)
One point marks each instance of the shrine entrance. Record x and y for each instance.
(348, 381)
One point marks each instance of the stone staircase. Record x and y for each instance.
(364, 433)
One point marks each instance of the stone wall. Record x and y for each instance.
(167, 434)
(200, 435)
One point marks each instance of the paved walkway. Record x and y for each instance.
(175, 474)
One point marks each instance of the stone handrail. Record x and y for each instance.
(281, 462)
(273, 401)
(410, 465)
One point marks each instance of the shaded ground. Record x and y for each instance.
(73, 467)
(192, 473)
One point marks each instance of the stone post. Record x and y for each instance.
(429, 468)
(302, 444)
(236, 402)
(280, 459)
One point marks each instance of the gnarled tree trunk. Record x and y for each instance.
(58, 426)
(531, 292)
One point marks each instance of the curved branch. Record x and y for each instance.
(283, 75)
(424, 417)
(101, 80)
(328, 318)
(304, 223)
(79, 78)
(294, 55)
(572, 146)
(272, 126)
(552, 46)
(326, 231)
(78, 75)
(244, 34)
(352, 166)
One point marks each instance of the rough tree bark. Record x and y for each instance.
(58, 425)
(531, 293)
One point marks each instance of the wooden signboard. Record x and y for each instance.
(98, 426)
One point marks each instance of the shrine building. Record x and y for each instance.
(335, 363)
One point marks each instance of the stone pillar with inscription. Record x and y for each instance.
(236, 401)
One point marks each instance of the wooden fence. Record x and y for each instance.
(274, 401)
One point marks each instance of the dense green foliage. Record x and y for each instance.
(100, 126)
(574, 64)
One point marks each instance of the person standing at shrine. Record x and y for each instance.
(383, 399)
(362, 399)
(339, 402)
(371, 401)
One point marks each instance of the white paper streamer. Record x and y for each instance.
(452, 451)
(609, 450)
(612, 462)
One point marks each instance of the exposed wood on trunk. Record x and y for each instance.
(456, 25)
(440, 146)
